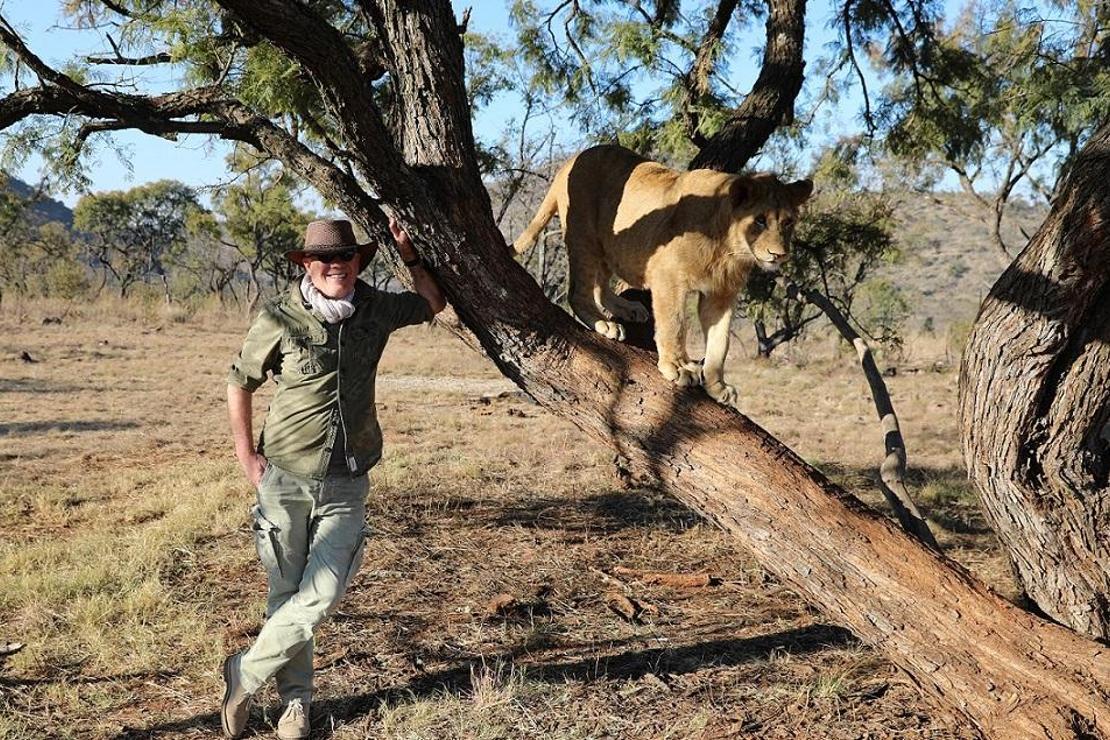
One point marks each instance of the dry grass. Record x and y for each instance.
(126, 564)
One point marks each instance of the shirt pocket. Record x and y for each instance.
(304, 355)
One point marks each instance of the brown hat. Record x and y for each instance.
(330, 235)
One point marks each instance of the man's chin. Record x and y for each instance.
(336, 290)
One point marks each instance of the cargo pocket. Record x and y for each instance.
(356, 558)
(265, 541)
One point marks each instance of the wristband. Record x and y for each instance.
(417, 260)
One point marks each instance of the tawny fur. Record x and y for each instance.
(673, 233)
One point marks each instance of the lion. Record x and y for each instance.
(673, 233)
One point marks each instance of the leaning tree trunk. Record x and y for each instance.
(1011, 673)
(1035, 403)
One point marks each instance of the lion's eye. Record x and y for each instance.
(761, 222)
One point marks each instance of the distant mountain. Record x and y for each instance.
(43, 209)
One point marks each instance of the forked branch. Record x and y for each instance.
(771, 101)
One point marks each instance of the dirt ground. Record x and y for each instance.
(127, 568)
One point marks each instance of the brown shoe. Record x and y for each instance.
(236, 705)
(293, 724)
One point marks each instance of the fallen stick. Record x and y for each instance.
(674, 580)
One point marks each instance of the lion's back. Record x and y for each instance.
(615, 205)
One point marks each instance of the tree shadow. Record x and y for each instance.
(942, 494)
(605, 512)
(88, 680)
(21, 428)
(630, 665)
(37, 385)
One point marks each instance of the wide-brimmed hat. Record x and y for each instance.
(329, 235)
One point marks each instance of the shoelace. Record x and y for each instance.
(294, 710)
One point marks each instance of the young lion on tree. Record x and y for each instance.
(673, 233)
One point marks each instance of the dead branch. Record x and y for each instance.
(892, 472)
(673, 580)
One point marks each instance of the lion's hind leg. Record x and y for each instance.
(588, 281)
(623, 308)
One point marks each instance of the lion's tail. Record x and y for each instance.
(546, 210)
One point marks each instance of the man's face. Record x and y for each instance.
(335, 277)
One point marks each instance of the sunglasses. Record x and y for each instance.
(327, 258)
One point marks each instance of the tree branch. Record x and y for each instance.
(160, 115)
(850, 47)
(695, 84)
(892, 472)
(161, 57)
(771, 101)
(325, 55)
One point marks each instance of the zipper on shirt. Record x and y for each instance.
(352, 464)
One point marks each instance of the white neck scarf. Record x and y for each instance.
(333, 310)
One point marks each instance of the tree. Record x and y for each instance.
(42, 259)
(1005, 99)
(847, 234)
(261, 222)
(136, 234)
(1035, 403)
(1009, 672)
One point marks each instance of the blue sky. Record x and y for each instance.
(199, 161)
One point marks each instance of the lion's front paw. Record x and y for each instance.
(722, 393)
(695, 367)
(680, 373)
(610, 330)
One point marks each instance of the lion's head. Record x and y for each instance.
(764, 211)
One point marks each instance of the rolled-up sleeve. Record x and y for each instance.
(406, 309)
(260, 354)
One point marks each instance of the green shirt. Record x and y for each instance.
(325, 380)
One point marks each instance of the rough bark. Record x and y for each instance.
(1011, 673)
(1035, 403)
(771, 101)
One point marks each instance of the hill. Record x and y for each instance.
(949, 261)
(43, 209)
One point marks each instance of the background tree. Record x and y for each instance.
(847, 234)
(42, 259)
(1005, 98)
(135, 235)
(260, 222)
(405, 143)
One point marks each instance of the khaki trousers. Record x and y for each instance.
(310, 536)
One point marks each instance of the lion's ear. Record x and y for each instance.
(740, 192)
(799, 191)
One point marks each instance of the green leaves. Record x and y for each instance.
(136, 234)
(617, 69)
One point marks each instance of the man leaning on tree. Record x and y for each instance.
(321, 342)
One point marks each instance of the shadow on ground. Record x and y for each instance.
(21, 428)
(628, 665)
(944, 495)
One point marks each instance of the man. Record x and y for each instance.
(321, 342)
